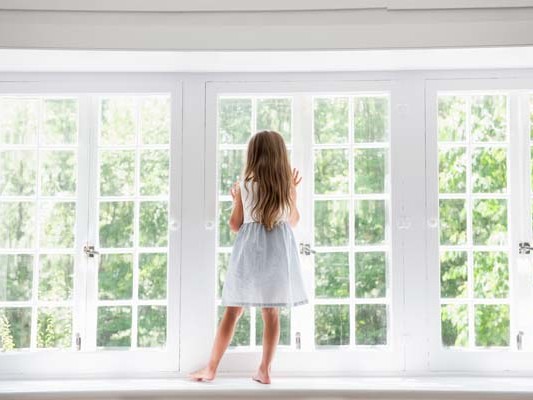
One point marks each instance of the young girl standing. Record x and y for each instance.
(264, 267)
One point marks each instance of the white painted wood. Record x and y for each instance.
(456, 4)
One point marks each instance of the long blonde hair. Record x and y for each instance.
(267, 164)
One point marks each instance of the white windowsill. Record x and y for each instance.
(449, 387)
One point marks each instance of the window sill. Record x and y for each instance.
(448, 387)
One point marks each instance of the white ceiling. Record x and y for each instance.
(16, 60)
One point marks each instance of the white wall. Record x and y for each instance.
(382, 24)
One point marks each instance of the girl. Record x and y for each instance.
(264, 268)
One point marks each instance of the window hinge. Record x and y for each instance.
(78, 342)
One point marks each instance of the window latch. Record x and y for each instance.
(78, 342)
(520, 340)
(89, 251)
(305, 248)
(298, 341)
(524, 248)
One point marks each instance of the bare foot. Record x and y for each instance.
(202, 375)
(262, 376)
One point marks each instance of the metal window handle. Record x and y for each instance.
(305, 248)
(90, 251)
(524, 248)
(520, 340)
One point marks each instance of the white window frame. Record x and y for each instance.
(519, 225)
(52, 362)
(390, 358)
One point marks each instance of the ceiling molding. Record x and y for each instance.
(252, 6)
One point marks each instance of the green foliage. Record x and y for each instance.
(453, 274)
(117, 172)
(20, 120)
(452, 170)
(489, 170)
(234, 120)
(155, 120)
(153, 229)
(116, 224)
(452, 217)
(152, 330)
(492, 325)
(332, 275)
(370, 274)
(15, 325)
(7, 342)
(491, 274)
(60, 121)
(371, 324)
(56, 277)
(454, 325)
(114, 326)
(489, 221)
(369, 221)
(489, 118)
(153, 276)
(331, 171)
(118, 118)
(58, 172)
(370, 170)
(331, 222)
(230, 166)
(275, 114)
(115, 277)
(18, 171)
(58, 221)
(371, 117)
(54, 328)
(332, 325)
(16, 277)
(331, 119)
(452, 118)
(18, 224)
(154, 172)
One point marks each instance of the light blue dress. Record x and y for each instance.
(264, 268)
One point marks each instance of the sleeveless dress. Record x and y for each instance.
(264, 267)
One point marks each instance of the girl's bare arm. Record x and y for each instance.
(294, 217)
(237, 214)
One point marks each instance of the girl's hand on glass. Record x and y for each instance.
(235, 191)
(296, 179)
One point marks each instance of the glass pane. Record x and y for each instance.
(454, 325)
(114, 327)
(230, 165)
(332, 275)
(492, 325)
(225, 236)
(155, 120)
(452, 118)
(153, 276)
(234, 120)
(117, 173)
(452, 170)
(331, 171)
(242, 331)
(369, 221)
(222, 268)
(116, 224)
(60, 121)
(332, 325)
(453, 274)
(118, 119)
(489, 170)
(371, 117)
(58, 173)
(18, 169)
(152, 331)
(491, 274)
(56, 277)
(58, 222)
(153, 230)
(18, 222)
(371, 324)
(115, 277)
(490, 222)
(331, 120)
(154, 172)
(331, 223)
(370, 170)
(371, 274)
(15, 325)
(275, 115)
(284, 322)
(16, 273)
(452, 216)
(19, 120)
(489, 118)
(54, 327)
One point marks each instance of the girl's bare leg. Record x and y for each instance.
(271, 331)
(225, 332)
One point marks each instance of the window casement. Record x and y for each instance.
(89, 246)
(479, 203)
(338, 136)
